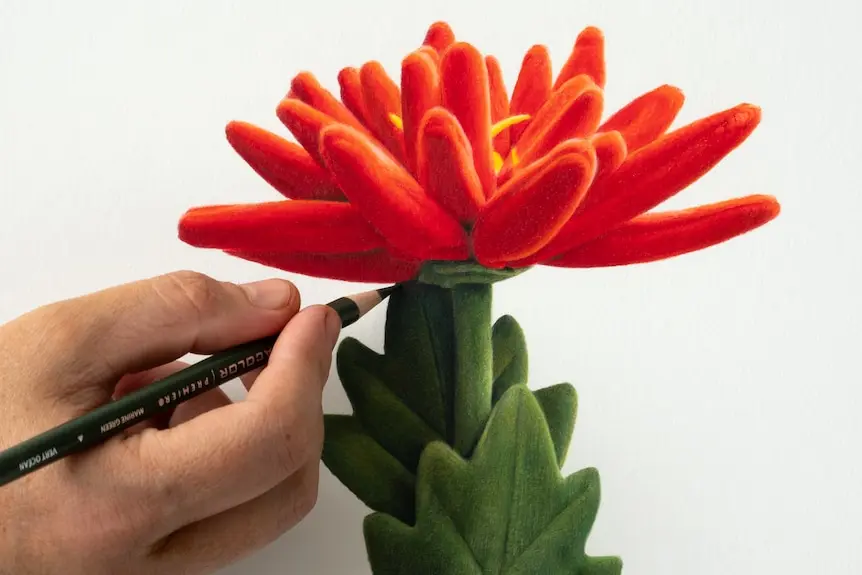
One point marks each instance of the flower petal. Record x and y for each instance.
(351, 93)
(439, 36)
(499, 102)
(285, 226)
(577, 118)
(389, 198)
(646, 117)
(305, 123)
(306, 88)
(420, 91)
(663, 235)
(533, 87)
(382, 98)
(552, 108)
(466, 93)
(587, 57)
(282, 164)
(375, 266)
(446, 166)
(655, 173)
(611, 152)
(431, 53)
(529, 210)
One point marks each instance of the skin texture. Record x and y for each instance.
(155, 499)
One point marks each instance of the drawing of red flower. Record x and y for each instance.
(447, 166)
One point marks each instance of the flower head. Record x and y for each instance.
(446, 168)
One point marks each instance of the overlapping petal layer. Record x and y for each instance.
(443, 165)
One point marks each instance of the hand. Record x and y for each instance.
(194, 491)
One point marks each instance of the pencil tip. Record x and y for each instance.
(387, 291)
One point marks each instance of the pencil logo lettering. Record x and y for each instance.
(185, 391)
(37, 459)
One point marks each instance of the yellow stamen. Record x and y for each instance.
(508, 122)
(396, 121)
(498, 162)
(513, 156)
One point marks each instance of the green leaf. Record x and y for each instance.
(382, 414)
(366, 469)
(510, 355)
(419, 346)
(560, 406)
(507, 510)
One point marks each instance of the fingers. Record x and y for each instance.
(135, 381)
(212, 399)
(102, 336)
(227, 456)
(225, 538)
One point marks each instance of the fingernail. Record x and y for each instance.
(333, 326)
(269, 294)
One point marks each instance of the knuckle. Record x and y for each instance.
(188, 289)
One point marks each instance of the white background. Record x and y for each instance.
(719, 392)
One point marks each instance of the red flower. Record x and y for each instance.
(448, 167)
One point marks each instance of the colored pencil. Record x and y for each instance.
(106, 421)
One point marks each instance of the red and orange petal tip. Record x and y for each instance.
(663, 235)
(305, 226)
(282, 164)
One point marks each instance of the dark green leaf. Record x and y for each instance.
(560, 405)
(366, 469)
(419, 344)
(505, 511)
(383, 416)
(510, 355)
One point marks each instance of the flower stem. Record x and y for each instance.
(473, 365)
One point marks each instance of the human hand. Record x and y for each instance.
(193, 491)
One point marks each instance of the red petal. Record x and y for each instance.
(610, 153)
(534, 205)
(533, 87)
(389, 198)
(431, 53)
(655, 173)
(305, 123)
(646, 117)
(382, 97)
(577, 118)
(466, 93)
(308, 89)
(420, 85)
(587, 57)
(372, 267)
(284, 165)
(351, 93)
(658, 236)
(552, 107)
(285, 226)
(439, 36)
(499, 102)
(446, 166)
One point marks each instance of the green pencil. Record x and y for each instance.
(102, 423)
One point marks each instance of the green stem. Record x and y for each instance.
(473, 364)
